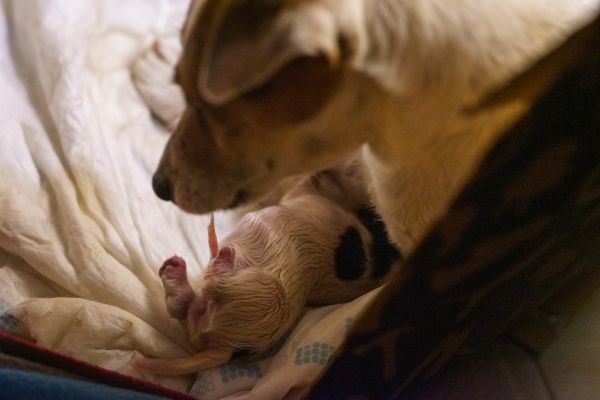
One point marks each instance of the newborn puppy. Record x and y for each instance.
(318, 246)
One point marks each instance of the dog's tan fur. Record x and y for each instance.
(279, 88)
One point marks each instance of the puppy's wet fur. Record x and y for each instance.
(274, 263)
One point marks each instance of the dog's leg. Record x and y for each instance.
(180, 366)
(178, 292)
(153, 75)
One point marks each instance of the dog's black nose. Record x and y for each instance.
(162, 187)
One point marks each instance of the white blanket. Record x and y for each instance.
(81, 233)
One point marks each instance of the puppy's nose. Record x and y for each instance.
(162, 187)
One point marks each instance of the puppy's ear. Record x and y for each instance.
(248, 41)
(223, 263)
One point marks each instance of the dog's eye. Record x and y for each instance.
(200, 106)
(259, 92)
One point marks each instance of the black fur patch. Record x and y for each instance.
(383, 253)
(240, 197)
(350, 258)
(240, 353)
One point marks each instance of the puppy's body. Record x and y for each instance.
(273, 264)
(279, 88)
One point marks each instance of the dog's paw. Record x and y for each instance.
(153, 75)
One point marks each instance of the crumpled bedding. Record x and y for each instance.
(81, 234)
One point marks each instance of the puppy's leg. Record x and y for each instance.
(182, 366)
(153, 75)
(178, 292)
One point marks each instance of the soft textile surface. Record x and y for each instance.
(81, 233)
(17, 385)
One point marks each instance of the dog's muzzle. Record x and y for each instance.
(162, 187)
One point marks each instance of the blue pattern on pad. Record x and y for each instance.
(204, 384)
(317, 353)
(8, 322)
(230, 372)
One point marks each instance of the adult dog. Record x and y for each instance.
(423, 88)
(279, 88)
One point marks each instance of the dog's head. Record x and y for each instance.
(270, 95)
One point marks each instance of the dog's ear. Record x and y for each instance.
(248, 41)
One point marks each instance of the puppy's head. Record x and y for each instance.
(244, 310)
(266, 82)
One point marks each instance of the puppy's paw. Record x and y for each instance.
(173, 274)
(178, 292)
(173, 267)
(147, 365)
(153, 75)
(137, 361)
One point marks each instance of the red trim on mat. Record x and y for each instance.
(19, 347)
